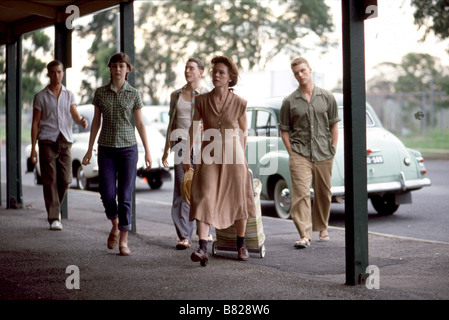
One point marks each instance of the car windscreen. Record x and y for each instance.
(369, 119)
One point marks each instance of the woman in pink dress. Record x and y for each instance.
(221, 192)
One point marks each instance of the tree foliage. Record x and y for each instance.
(33, 67)
(417, 72)
(37, 45)
(104, 44)
(433, 15)
(251, 32)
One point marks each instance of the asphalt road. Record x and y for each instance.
(426, 218)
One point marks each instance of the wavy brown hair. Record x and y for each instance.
(233, 70)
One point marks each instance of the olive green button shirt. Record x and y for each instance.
(117, 108)
(309, 123)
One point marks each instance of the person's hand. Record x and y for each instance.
(185, 167)
(87, 158)
(84, 122)
(165, 160)
(33, 156)
(148, 161)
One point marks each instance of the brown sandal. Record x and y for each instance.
(199, 256)
(112, 240)
(124, 251)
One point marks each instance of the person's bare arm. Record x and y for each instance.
(77, 118)
(334, 133)
(192, 136)
(95, 126)
(285, 136)
(37, 115)
(140, 126)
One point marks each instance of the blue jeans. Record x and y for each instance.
(117, 178)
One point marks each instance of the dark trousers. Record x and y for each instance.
(117, 179)
(55, 161)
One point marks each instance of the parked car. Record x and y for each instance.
(87, 176)
(393, 170)
(157, 116)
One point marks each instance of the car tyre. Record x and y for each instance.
(384, 205)
(82, 182)
(282, 199)
(155, 182)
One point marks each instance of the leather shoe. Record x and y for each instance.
(199, 256)
(124, 251)
(112, 240)
(243, 254)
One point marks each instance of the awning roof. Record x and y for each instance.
(20, 17)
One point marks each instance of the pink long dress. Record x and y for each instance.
(221, 192)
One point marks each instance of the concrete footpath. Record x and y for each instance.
(39, 264)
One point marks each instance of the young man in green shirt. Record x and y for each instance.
(309, 130)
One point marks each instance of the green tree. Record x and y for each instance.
(104, 44)
(36, 45)
(417, 72)
(433, 15)
(417, 75)
(251, 32)
(384, 79)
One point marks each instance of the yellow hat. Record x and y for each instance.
(186, 185)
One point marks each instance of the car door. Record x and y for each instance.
(263, 137)
(251, 143)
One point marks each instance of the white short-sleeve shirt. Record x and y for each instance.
(56, 117)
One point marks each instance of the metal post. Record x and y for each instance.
(425, 113)
(14, 123)
(354, 101)
(63, 53)
(127, 46)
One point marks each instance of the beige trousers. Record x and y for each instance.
(305, 173)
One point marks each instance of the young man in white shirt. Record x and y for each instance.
(53, 109)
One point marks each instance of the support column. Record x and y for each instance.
(63, 53)
(127, 46)
(14, 124)
(354, 101)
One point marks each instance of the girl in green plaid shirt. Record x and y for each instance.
(118, 104)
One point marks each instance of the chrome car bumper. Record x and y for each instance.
(401, 185)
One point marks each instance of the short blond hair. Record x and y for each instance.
(299, 60)
(54, 63)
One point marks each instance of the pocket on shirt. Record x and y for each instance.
(127, 108)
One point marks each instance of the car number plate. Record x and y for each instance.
(374, 159)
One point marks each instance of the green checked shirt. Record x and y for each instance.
(117, 108)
